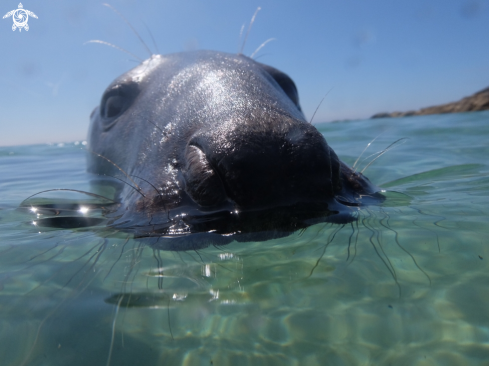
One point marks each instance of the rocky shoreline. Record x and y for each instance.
(476, 102)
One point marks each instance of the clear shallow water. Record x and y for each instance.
(405, 285)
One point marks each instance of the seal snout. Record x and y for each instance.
(256, 170)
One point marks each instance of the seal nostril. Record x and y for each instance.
(202, 183)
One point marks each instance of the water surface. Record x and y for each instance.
(404, 285)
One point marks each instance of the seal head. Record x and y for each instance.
(218, 150)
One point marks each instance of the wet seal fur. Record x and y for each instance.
(213, 148)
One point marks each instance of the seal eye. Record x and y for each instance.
(113, 106)
(116, 100)
(285, 82)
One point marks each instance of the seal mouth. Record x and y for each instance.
(194, 229)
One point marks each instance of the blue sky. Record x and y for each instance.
(373, 55)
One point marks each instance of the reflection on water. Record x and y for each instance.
(404, 284)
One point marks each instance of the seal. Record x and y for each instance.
(214, 147)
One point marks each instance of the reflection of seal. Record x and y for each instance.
(20, 17)
(215, 145)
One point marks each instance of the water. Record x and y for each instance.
(405, 285)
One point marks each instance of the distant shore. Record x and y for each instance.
(476, 102)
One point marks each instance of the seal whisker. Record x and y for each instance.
(356, 241)
(190, 255)
(130, 26)
(219, 247)
(331, 188)
(123, 181)
(117, 166)
(161, 274)
(42, 253)
(248, 31)
(396, 238)
(152, 38)
(319, 105)
(261, 46)
(180, 256)
(158, 194)
(169, 323)
(118, 258)
(154, 124)
(434, 223)
(112, 334)
(395, 143)
(164, 134)
(349, 241)
(36, 338)
(113, 46)
(387, 263)
(95, 255)
(59, 252)
(366, 147)
(239, 38)
(301, 231)
(199, 256)
(136, 258)
(51, 258)
(378, 237)
(156, 189)
(69, 190)
(10, 247)
(329, 241)
(158, 268)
